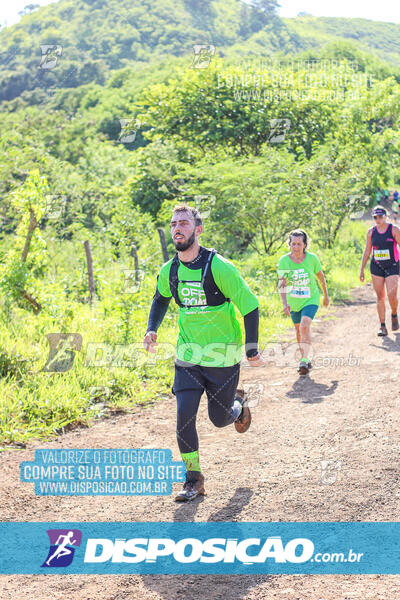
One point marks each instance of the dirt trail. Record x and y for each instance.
(346, 413)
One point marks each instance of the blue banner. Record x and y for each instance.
(200, 548)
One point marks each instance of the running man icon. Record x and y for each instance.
(61, 552)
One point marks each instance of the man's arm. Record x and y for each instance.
(251, 321)
(158, 309)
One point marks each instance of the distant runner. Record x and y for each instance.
(395, 210)
(298, 272)
(383, 240)
(209, 349)
(395, 205)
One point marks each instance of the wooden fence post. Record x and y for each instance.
(32, 226)
(163, 243)
(134, 254)
(90, 270)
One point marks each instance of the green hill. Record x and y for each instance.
(383, 39)
(87, 40)
(96, 37)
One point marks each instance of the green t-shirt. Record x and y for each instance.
(302, 287)
(209, 335)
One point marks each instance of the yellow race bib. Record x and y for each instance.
(381, 254)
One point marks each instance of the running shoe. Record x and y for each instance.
(383, 331)
(395, 322)
(191, 490)
(243, 421)
(304, 367)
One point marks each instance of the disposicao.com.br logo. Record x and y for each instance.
(191, 550)
(200, 547)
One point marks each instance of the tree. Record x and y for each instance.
(340, 179)
(28, 9)
(157, 175)
(233, 108)
(257, 201)
(264, 7)
(262, 13)
(30, 200)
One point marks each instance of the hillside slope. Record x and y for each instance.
(94, 37)
(382, 39)
(88, 40)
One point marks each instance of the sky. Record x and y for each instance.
(9, 10)
(384, 10)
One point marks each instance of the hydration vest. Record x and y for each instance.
(214, 296)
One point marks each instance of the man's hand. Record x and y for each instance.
(326, 300)
(362, 277)
(256, 361)
(286, 309)
(150, 341)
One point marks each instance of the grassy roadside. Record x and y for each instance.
(39, 404)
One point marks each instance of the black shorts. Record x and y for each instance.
(381, 271)
(218, 382)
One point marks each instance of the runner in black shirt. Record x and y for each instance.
(383, 240)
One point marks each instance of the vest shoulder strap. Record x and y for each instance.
(214, 296)
(173, 279)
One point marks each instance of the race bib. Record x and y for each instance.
(192, 293)
(381, 254)
(300, 292)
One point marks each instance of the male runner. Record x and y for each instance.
(383, 240)
(205, 286)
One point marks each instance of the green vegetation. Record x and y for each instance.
(364, 35)
(133, 128)
(99, 36)
(37, 403)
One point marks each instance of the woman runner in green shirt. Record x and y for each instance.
(298, 272)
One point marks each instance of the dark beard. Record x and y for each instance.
(182, 246)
